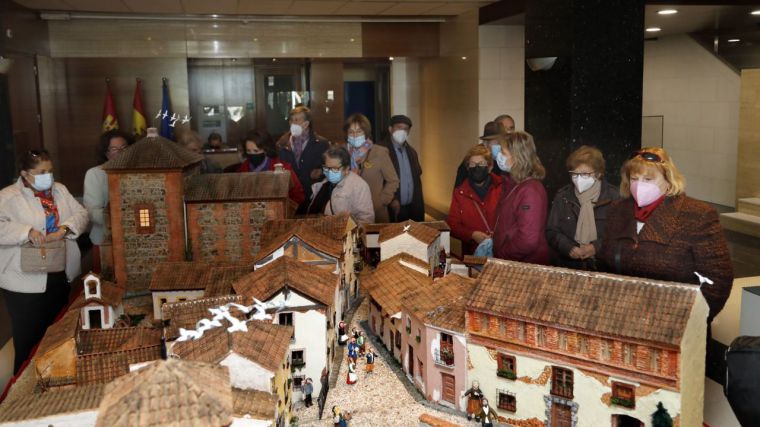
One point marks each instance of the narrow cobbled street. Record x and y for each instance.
(377, 399)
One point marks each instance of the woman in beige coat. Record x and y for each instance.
(371, 162)
(36, 209)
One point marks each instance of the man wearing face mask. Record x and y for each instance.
(302, 148)
(408, 202)
(341, 190)
(493, 135)
(575, 227)
(39, 210)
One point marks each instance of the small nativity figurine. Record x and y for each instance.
(474, 395)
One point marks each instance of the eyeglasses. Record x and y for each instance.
(116, 149)
(325, 169)
(648, 156)
(582, 175)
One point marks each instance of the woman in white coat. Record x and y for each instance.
(38, 210)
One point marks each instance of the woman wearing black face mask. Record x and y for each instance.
(261, 155)
(472, 215)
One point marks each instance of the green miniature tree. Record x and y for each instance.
(661, 417)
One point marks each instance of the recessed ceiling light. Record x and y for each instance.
(667, 12)
(734, 40)
(653, 29)
(755, 12)
(353, 39)
(464, 58)
(390, 58)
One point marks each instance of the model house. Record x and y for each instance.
(177, 282)
(55, 360)
(572, 348)
(370, 238)
(305, 297)
(162, 210)
(187, 314)
(387, 287)
(64, 407)
(257, 358)
(101, 306)
(416, 239)
(434, 347)
(103, 355)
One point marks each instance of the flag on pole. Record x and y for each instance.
(138, 114)
(166, 130)
(109, 111)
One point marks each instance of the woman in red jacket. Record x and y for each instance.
(520, 235)
(261, 155)
(472, 215)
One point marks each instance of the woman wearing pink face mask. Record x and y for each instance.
(658, 232)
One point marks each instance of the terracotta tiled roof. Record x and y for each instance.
(306, 234)
(59, 332)
(391, 282)
(100, 368)
(51, 403)
(168, 393)
(309, 280)
(441, 304)
(260, 405)
(438, 225)
(110, 294)
(186, 314)
(154, 153)
(179, 276)
(474, 260)
(418, 230)
(605, 304)
(264, 343)
(115, 339)
(333, 226)
(218, 281)
(411, 259)
(236, 186)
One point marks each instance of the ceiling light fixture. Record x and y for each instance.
(653, 29)
(734, 40)
(667, 12)
(464, 58)
(755, 12)
(390, 58)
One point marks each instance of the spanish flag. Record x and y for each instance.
(138, 114)
(109, 111)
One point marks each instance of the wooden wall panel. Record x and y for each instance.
(748, 163)
(80, 94)
(327, 76)
(400, 39)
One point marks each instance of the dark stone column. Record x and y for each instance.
(592, 94)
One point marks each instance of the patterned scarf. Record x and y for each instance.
(298, 143)
(358, 155)
(51, 210)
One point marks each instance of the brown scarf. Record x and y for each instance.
(585, 230)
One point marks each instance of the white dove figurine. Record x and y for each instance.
(703, 279)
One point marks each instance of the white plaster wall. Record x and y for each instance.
(501, 83)
(246, 374)
(404, 243)
(250, 422)
(459, 371)
(588, 392)
(310, 336)
(693, 361)
(172, 296)
(405, 94)
(698, 97)
(81, 419)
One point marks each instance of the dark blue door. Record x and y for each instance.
(359, 97)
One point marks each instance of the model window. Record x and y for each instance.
(507, 401)
(521, 331)
(606, 350)
(562, 340)
(623, 395)
(582, 345)
(506, 366)
(629, 354)
(297, 382)
(296, 358)
(162, 301)
(541, 336)
(92, 287)
(654, 360)
(145, 218)
(447, 349)
(287, 320)
(483, 322)
(562, 382)
(502, 327)
(398, 340)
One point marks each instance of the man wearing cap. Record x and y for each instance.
(408, 202)
(493, 135)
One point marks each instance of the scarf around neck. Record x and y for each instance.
(585, 230)
(358, 155)
(51, 210)
(642, 214)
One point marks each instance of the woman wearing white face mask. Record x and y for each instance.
(36, 209)
(576, 221)
(658, 232)
(373, 163)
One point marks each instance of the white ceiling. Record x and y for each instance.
(263, 7)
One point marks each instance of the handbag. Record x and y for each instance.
(50, 257)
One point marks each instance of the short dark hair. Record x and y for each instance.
(32, 158)
(105, 141)
(339, 153)
(263, 140)
(214, 135)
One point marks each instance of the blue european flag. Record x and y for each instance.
(166, 130)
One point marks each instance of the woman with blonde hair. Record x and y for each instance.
(658, 232)
(520, 233)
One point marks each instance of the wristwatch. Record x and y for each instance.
(66, 230)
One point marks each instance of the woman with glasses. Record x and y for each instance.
(472, 214)
(577, 218)
(520, 233)
(95, 200)
(36, 210)
(658, 232)
(341, 190)
(373, 163)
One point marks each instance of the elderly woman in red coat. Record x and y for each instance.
(520, 233)
(261, 155)
(658, 232)
(472, 215)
